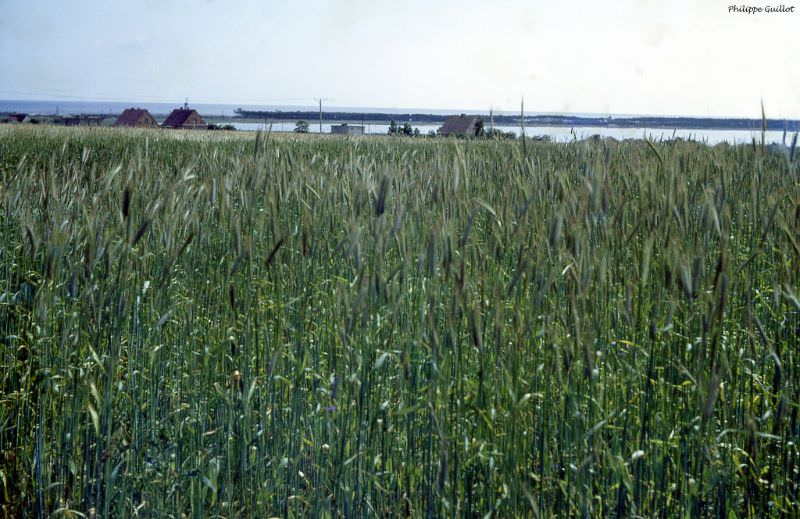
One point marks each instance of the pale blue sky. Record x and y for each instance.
(625, 56)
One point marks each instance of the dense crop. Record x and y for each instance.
(210, 325)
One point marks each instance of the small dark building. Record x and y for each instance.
(185, 118)
(82, 120)
(15, 118)
(346, 129)
(138, 117)
(463, 125)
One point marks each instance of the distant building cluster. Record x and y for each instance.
(455, 125)
(188, 119)
(181, 118)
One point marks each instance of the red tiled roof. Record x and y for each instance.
(131, 116)
(458, 125)
(178, 117)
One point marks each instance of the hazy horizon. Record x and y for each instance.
(637, 57)
(66, 104)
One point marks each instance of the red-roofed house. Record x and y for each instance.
(136, 117)
(465, 125)
(185, 118)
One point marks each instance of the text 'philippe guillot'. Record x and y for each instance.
(749, 9)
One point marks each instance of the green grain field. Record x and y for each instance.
(226, 325)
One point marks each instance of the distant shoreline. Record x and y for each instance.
(667, 123)
(47, 110)
(501, 120)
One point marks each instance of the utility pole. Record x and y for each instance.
(522, 126)
(321, 99)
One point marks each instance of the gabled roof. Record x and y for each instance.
(18, 117)
(178, 117)
(131, 116)
(459, 125)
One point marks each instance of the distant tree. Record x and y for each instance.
(479, 127)
(416, 132)
(228, 127)
(392, 128)
(301, 127)
(407, 130)
(498, 134)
